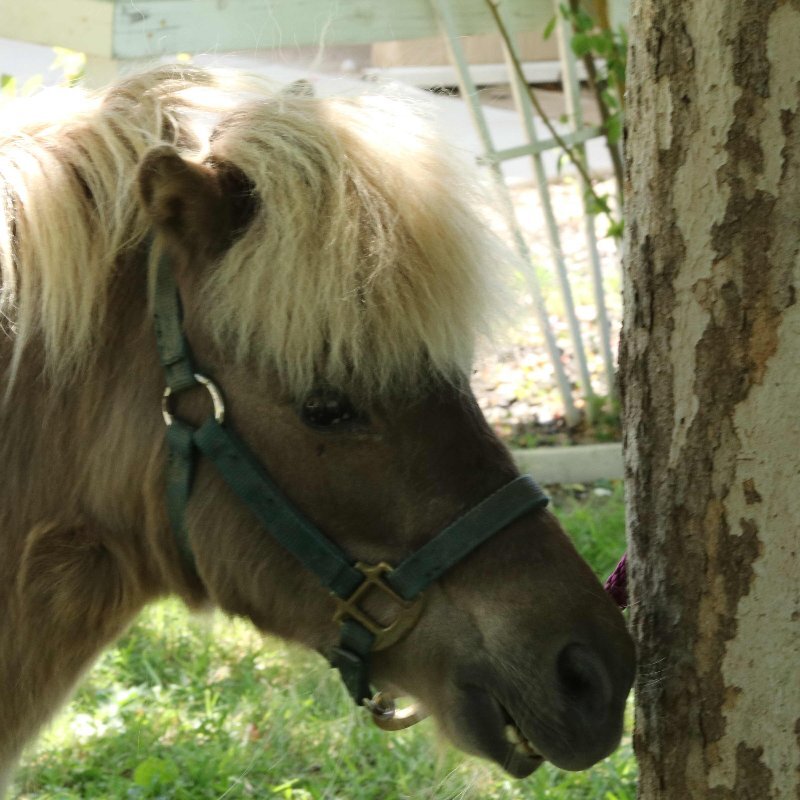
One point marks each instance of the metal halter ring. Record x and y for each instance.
(388, 717)
(216, 400)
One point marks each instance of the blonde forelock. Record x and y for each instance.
(365, 265)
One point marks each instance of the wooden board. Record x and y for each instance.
(158, 27)
(84, 25)
(482, 74)
(145, 28)
(483, 49)
(136, 29)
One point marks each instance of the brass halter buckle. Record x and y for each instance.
(385, 635)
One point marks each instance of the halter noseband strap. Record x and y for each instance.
(349, 582)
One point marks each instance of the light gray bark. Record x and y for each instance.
(711, 382)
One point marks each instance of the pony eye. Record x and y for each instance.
(329, 411)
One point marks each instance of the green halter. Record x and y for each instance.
(349, 582)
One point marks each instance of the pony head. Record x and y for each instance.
(334, 275)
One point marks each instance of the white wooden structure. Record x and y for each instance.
(113, 31)
(132, 29)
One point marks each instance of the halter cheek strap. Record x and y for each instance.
(349, 582)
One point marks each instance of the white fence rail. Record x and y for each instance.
(534, 147)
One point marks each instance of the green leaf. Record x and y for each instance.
(616, 229)
(8, 85)
(31, 85)
(561, 162)
(550, 27)
(284, 786)
(614, 128)
(610, 99)
(616, 71)
(596, 204)
(72, 64)
(583, 21)
(581, 44)
(154, 772)
(601, 44)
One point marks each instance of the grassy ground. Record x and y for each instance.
(191, 709)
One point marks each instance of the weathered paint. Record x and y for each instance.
(83, 25)
(711, 388)
(148, 28)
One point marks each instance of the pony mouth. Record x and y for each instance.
(521, 745)
(523, 758)
(491, 731)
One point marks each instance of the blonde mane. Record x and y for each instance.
(366, 263)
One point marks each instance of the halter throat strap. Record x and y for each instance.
(347, 580)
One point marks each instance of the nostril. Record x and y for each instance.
(584, 679)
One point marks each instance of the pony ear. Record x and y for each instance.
(199, 206)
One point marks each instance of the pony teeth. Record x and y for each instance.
(521, 744)
(524, 748)
(512, 734)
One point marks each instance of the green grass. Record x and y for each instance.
(193, 708)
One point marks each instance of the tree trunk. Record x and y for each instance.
(710, 364)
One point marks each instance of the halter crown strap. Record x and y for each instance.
(348, 581)
(179, 371)
(173, 349)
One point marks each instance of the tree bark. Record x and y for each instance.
(710, 366)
